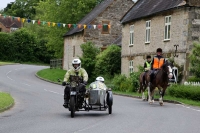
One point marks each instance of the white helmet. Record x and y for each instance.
(76, 62)
(100, 79)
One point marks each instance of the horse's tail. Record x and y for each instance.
(141, 82)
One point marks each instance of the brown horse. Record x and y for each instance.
(160, 81)
(143, 85)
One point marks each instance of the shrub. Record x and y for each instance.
(109, 61)
(195, 60)
(185, 91)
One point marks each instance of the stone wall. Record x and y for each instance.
(138, 52)
(112, 14)
(194, 2)
(72, 49)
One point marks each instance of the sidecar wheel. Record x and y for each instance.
(110, 109)
(72, 106)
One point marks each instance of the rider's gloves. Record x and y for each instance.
(64, 83)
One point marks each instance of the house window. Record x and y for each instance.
(131, 35)
(0, 29)
(105, 28)
(167, 28)
(148, 29)
(130, 66)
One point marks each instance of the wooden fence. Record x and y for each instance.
(56, 63)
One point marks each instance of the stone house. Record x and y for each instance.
(9, 24)
(150, 24)
(108, 12)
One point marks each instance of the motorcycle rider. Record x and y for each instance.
(75, 71)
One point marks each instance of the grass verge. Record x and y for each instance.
(52, 74)
(6, 101)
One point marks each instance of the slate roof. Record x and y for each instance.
(118, 41)
(144, 8)
(8, 22)
(90, 16)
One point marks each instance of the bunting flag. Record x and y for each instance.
(18, 18)
(33, 21)
(89, 26)
(28, 20)
(74, 25)
(49, 23)
(69, 25)
(79, 26)
(84, 26)
(99, 26)
(23, 20)
(53, 24)
(39, 22)
(43, 22)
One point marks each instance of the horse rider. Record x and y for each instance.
(75, 71)
(156, 64)
(147, 66)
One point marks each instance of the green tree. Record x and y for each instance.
(109, 61)
(63, 11)
(88, 59)
(22, 8)
(195, 60)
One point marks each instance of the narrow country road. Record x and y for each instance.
(38, 109)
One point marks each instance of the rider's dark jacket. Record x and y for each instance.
(157, 62)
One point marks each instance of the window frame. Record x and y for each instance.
(131, 33)
(148, 31)
(130, 66)
(167, 29)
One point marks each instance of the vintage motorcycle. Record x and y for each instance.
(94, 99)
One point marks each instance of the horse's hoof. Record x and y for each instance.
(152, 101)
(143, 99)
(161, 104)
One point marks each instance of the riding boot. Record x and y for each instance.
(66, 101)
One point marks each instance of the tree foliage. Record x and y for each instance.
(109, 61)
(88, 59)
(22, 8)
(195, 60)
(23, 46)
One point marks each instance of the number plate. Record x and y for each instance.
(72, 93)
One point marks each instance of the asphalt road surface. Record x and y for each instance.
(38, 109)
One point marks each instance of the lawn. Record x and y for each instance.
(6, 101)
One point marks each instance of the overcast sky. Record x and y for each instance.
(3, 3)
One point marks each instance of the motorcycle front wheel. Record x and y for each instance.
(72, 106)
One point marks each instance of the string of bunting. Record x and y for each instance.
(53, 24)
